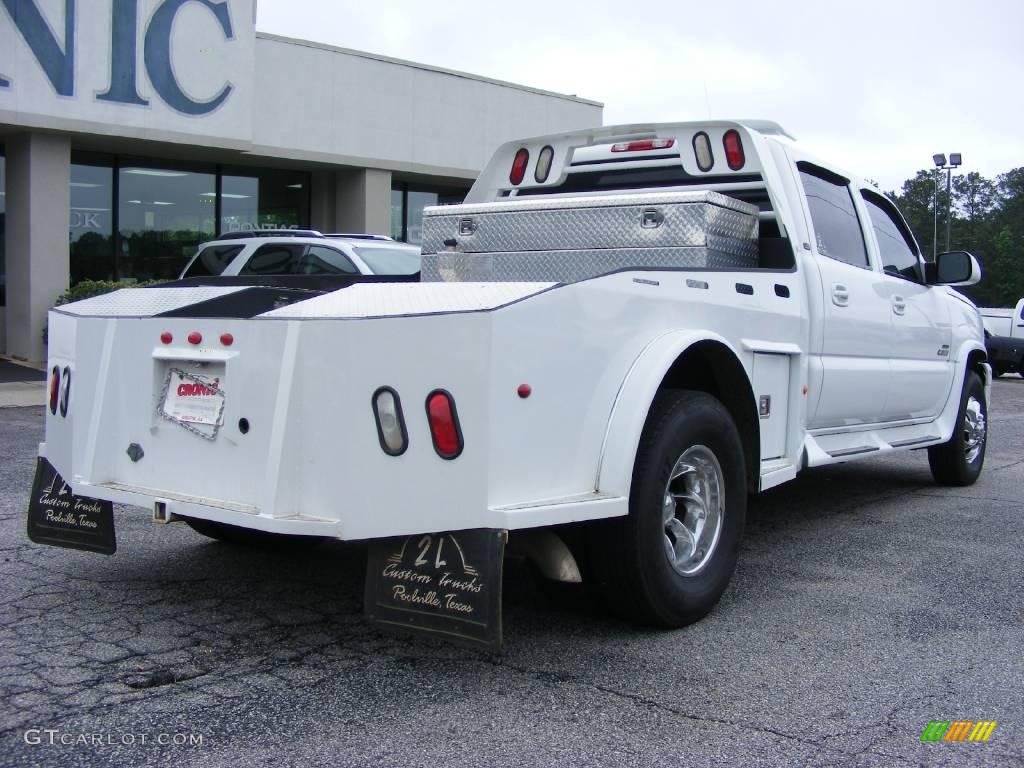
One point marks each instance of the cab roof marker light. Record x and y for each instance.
(543, 169)
(643, 145)
(733, 150)
(519, 166)
(444, 424)
(391, 431)
(702, 151)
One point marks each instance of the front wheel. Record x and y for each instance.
(670, 559)
(958, 461)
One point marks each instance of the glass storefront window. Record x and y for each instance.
(163, 214)
(407, 204)
(92, 223)
(3, 228)
(263, 198)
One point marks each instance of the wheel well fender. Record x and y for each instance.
(677, 360)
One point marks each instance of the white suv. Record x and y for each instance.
(302, 252)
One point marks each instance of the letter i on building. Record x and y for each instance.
(958, 730)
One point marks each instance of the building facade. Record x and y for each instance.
(132, 130)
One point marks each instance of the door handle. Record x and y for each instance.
(840, 295)
(899, 305)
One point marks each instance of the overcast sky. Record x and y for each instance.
(877, 87)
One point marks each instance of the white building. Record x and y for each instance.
(131, 130)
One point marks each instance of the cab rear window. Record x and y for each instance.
(212, 260)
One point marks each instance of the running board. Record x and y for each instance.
(833, 447)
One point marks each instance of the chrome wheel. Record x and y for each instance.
(692, 509)
(974, 429)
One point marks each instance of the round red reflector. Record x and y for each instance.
(166, 337)
(519, 165)
(444, 424)
(733, 150)
(227, 339)
(54, 389)
(524, 391)
(195, 337)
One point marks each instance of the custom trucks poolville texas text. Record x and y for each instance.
(620, 335)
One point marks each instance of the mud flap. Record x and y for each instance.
(446, 585)
(56, 516)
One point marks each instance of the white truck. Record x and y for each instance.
(1004, 338)
(620, 335)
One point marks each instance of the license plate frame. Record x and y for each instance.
(194, 401)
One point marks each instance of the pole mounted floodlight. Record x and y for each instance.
(955, 161)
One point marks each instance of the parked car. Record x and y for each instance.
(302, 252)
(1004, 338)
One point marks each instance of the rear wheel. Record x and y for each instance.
(669, 560)
(959, 460)
(233, 534)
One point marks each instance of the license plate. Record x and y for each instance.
(59, 518)
(194, 398)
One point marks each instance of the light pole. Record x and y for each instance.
(940, 162)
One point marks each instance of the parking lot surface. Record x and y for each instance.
(867, 602)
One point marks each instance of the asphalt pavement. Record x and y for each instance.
(867, 602)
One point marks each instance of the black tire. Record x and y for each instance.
(951, 463)
(630, 558)
(233, 534)
(999, 371)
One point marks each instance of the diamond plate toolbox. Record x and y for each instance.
(571, 239)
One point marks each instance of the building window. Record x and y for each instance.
(407, 204)
(163, 214)
(3, 228)
(92, 223)
(263, 198)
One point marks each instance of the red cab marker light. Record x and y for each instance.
(519, 165)
(195, 337)
(166, 337)
(524, 391)
(227, 339)
(643, 146)
(733, 150)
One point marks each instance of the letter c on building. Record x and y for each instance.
(158, 56)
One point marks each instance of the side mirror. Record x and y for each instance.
(953, 268)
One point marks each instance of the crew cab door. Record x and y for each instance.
(851, 348)
(921, 368)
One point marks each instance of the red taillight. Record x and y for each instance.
(54, 389)
(733, 150)
(195, 337)
(524, 391)
(444, 424)
(166, 337)
(519, 166)
(227, 339)
(643, 146)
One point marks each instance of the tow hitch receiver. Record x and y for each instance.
(441, 584)
(56, 516)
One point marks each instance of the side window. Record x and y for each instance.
(837, 229)
(212, 260)
(274, 259)
(895, 245)
(321, 260)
